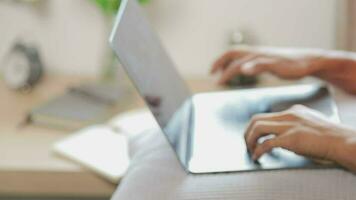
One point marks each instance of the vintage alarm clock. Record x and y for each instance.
(23, 67)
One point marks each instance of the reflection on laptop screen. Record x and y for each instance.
(147, 63)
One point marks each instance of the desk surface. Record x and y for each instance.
(27, 165)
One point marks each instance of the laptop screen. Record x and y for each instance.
(147, 63)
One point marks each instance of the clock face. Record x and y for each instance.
(17, 71)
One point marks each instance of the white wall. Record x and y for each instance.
(71, 33)
(73, 36)
(195, 32)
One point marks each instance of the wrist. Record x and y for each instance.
(344, 150)
(317, 64)
(339, 71)
(325, 67)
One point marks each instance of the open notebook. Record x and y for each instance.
(104, 148)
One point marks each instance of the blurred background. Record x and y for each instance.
(72, 35)
(58, 74)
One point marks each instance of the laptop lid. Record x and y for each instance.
(147, 62)
(153, 73)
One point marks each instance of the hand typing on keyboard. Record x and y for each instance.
(305, 132)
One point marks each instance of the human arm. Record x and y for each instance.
(336, 67)
(305, 132)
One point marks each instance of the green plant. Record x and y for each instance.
(110, 7)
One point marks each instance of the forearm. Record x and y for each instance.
(338, 70)
(335, 67)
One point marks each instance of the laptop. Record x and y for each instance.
(206, 131)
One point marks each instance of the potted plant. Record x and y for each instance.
(110, 7)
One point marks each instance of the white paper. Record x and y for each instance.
(98, 148)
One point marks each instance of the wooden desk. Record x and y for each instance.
(27, 166)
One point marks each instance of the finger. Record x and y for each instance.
(226, 59)
(276, 117)
(254, 68)
(230, 72)
(288, 140)
(267, 146)
(264, 128)
(234, 69)
(257, 66)
(223, 61)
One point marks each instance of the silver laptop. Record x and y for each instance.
(206, 131)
